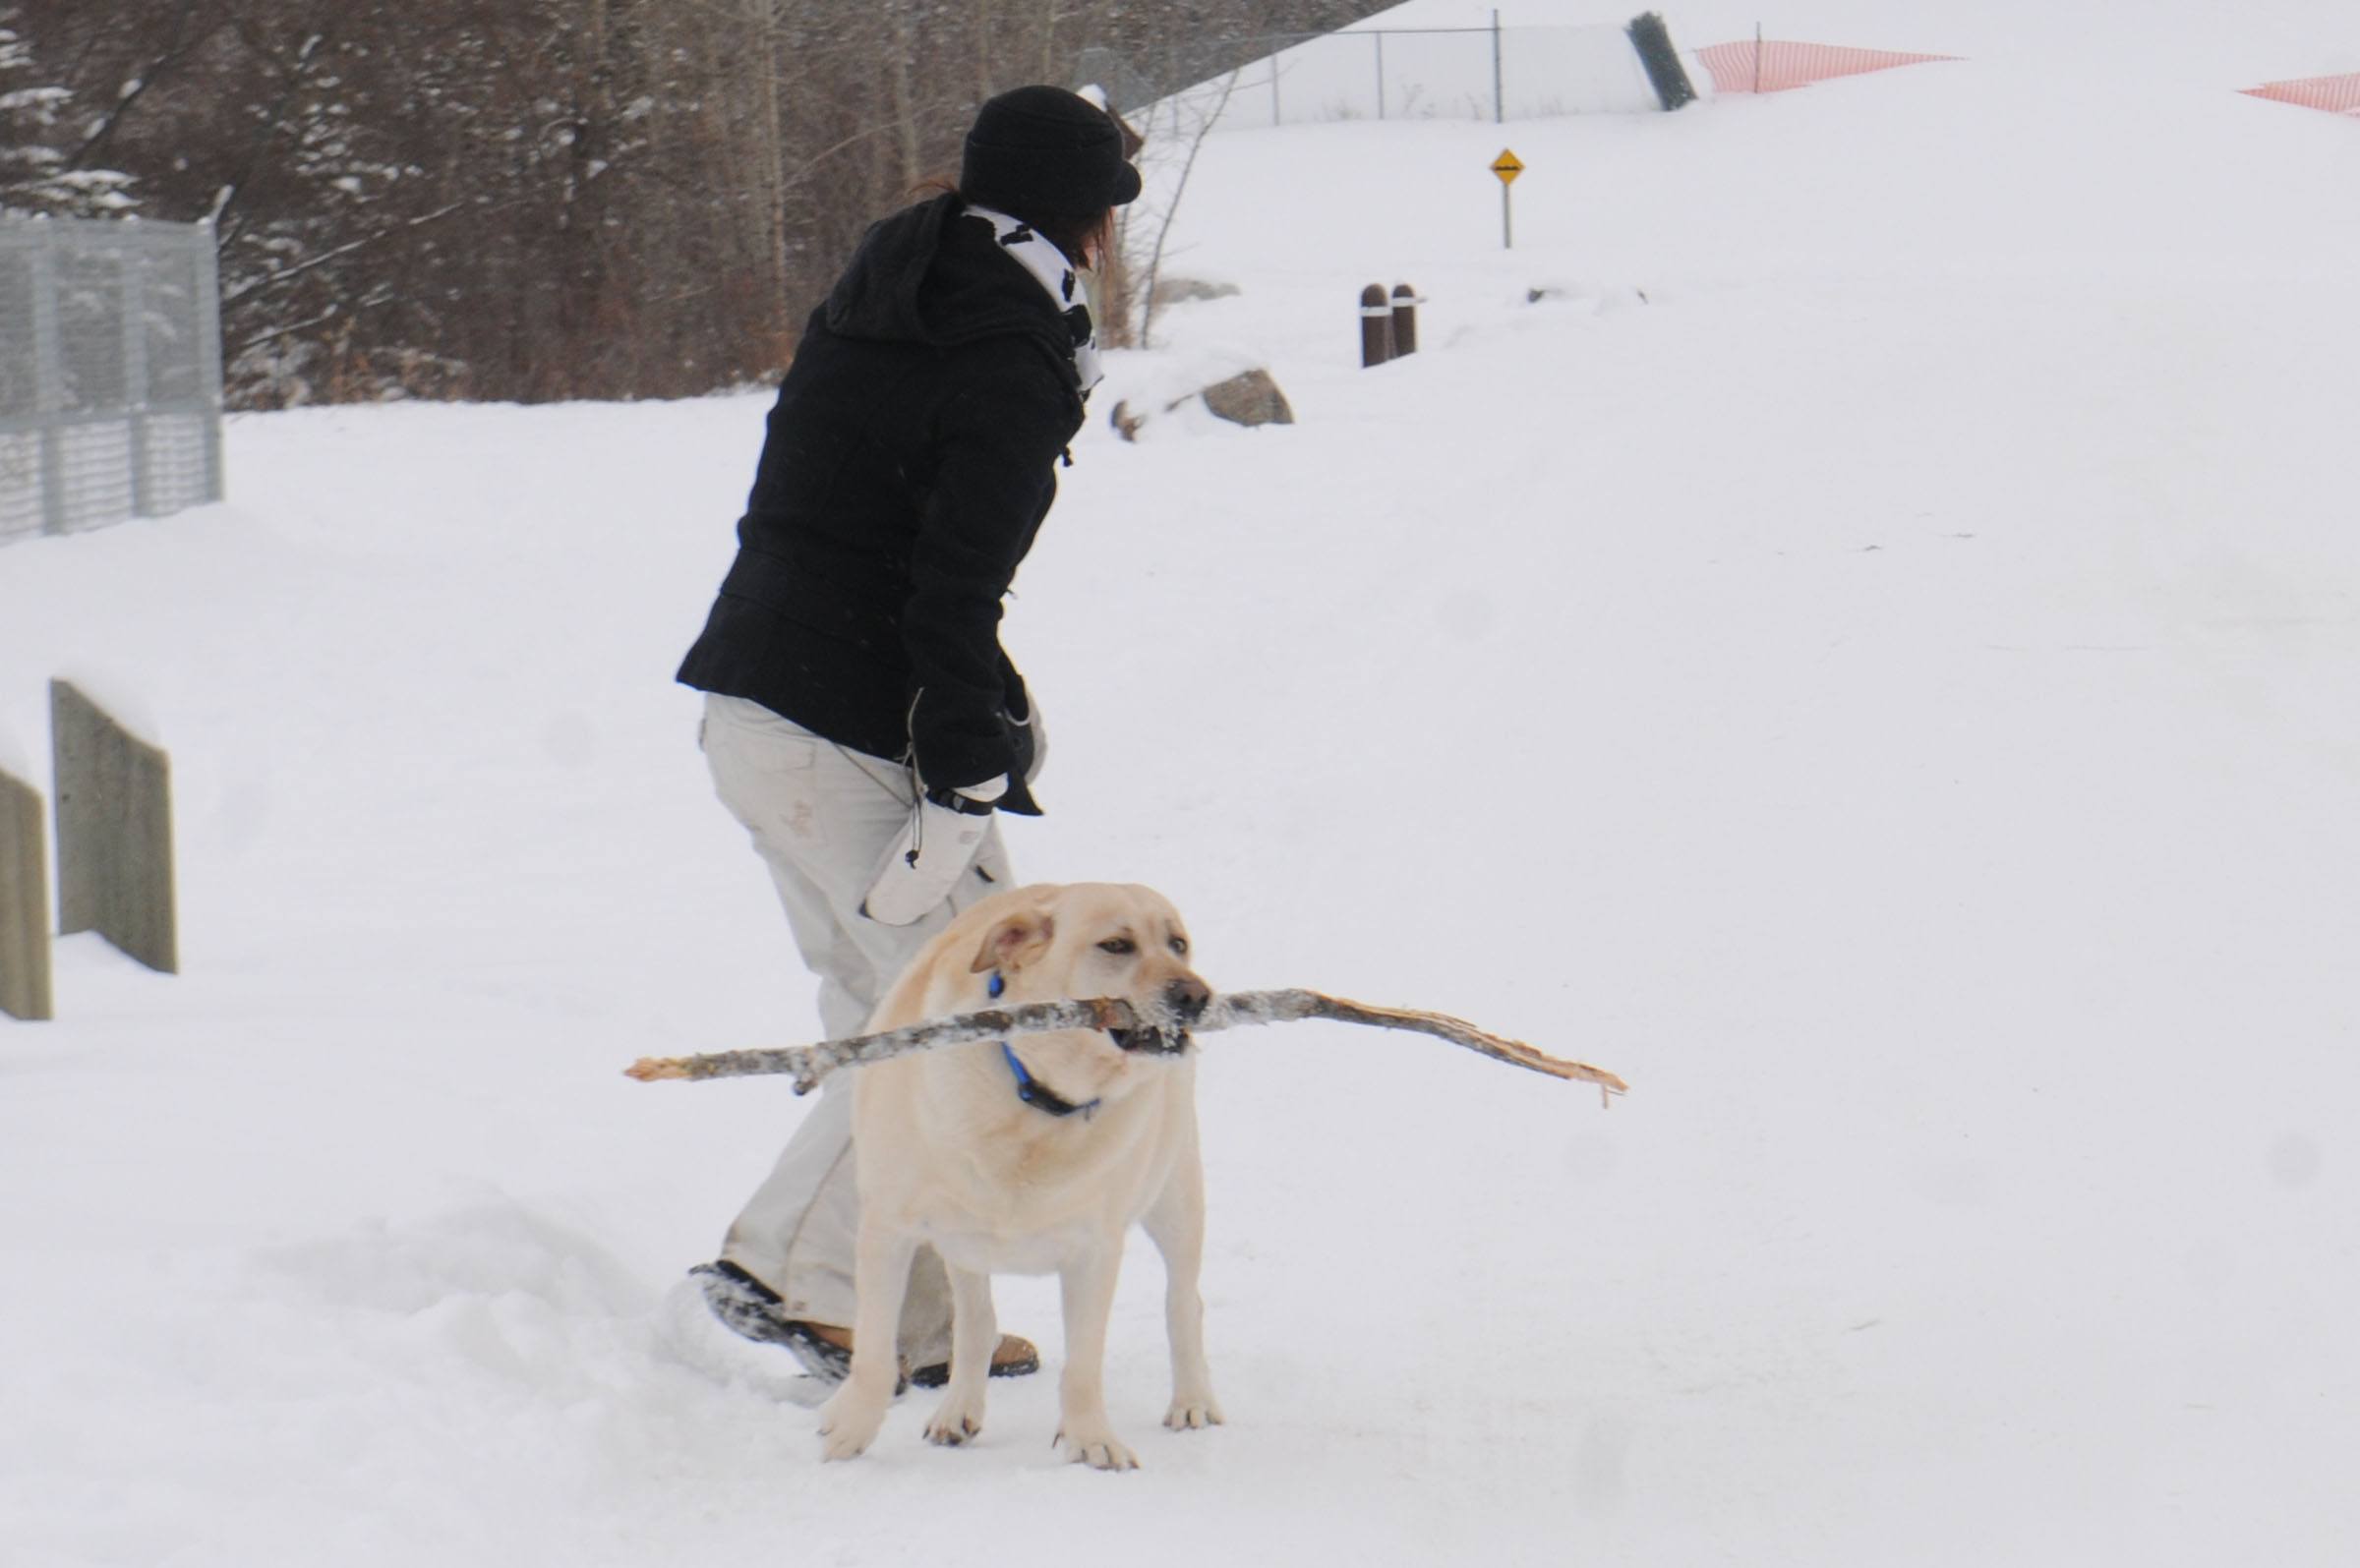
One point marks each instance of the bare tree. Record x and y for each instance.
(1190, 118)
(44, 167)
(537, 199)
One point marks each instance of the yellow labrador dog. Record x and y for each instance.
(1033, 1156)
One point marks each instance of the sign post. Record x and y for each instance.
(1507, 166)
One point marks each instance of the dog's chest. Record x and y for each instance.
(1041, 1251)
(1019, 1207)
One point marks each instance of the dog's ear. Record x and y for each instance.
(1017, 939)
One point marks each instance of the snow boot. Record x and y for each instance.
(753, 1310)
(1015, 1357)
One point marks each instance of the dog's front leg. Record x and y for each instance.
(849, 1422)
(1083, 1433)
(975, 1335)
(1176, 1225)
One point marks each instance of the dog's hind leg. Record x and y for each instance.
(1176, 1225)
(1083, 1433)
(849, 1422)
(974, 1336)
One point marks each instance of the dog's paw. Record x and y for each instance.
(848, 1425)
(1098, 1448)
(956, 1420)
(1192, 1411)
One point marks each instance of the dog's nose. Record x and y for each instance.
(1187, 997)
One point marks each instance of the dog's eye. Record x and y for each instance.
(1180, 946)
(1118, 945)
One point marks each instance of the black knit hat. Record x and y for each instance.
(1043, 152)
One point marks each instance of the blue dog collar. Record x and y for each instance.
(1028, 1088)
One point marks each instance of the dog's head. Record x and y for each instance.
(1097, 939)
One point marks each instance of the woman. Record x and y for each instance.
(861, 719)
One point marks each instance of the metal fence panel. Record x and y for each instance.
(111, 373)
(1559, 71)
(20, 395)
(1520, 73)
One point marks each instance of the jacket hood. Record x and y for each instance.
(923, 276)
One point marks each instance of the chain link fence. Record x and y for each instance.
(1495, 73)
(111, 373)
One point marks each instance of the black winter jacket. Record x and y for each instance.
(910, 460)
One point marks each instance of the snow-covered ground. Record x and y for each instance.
(1872, 658)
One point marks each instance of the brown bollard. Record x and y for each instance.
(1375, 326)
(1405, 320)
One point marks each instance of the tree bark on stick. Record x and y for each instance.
(808, 1063)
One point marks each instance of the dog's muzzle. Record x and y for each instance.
(1152, 1040)
(1184, 1000)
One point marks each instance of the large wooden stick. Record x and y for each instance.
(808, 1063)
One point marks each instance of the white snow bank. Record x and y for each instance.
(1889, 696)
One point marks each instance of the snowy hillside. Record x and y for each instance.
(1869, 655)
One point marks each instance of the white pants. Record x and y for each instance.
(822, 818)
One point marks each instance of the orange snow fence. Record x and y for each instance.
(2336, 94)
(1774, 66)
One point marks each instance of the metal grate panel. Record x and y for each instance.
(94, 469)
(111, 374)
(20, 485)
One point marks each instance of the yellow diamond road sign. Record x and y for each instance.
(1507, 166)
